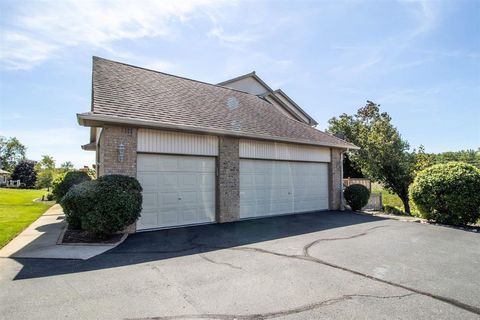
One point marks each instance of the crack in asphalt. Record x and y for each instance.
(275, 314)
(221, 263)
(364, 233)
(306, 256)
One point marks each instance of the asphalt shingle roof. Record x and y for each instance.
(125, 91)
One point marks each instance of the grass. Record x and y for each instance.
(388, 199)
(391, 199)
(18, 211)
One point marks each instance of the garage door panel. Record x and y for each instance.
(150, 200)
(178, 190)
(147, 163)
(148, 181)
(167, 198)
(206, 199)
(206, 181)
(165, 179)
(278, 187)
(167, 164)
(149, 219)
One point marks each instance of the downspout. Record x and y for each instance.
(342, 207)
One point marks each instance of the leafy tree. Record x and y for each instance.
(25, 172)
(65, 167)
(45, 169)
(468, 156)
(11, 153)
(351, 169)
(423, 160)
(384, 155)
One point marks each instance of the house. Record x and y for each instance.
(207, 153)
(3, 177)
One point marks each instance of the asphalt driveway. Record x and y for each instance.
(313, 266)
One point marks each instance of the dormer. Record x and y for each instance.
(252, 84)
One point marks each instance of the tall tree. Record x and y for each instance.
(11, 153)
(66, 166)
(384, 155)
(45, 170)
(25, 172)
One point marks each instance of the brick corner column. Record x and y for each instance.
(228, 180)
(336, 180)
(110, 160)
(109, 155)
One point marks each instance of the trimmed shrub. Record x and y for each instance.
(448, 193)
(117, 204)
(62, 184)
(393, 210)
(78, 201)
(356, 196)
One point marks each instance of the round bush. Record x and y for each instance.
(62, 185)
(448, 193)
(117, 204)
(79, 200)
(357, 196)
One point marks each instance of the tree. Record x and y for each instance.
(66, 166)
(423, 160)
(45, 170)
(384, 155)
(25, 172)
(11, 153)
(468, 156)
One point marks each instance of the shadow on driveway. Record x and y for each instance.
(165, 244)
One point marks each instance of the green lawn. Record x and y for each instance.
(18, 211)
(388, 199)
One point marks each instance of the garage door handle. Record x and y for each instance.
(179, 198)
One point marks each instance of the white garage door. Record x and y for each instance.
(177, 190)
(279, 187)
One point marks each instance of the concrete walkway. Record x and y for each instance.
(39, 240)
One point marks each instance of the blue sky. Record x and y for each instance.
(419, 59)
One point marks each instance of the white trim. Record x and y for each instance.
(170, 142)
(255, 149)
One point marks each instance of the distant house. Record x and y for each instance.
(3, 177)
(207, 153)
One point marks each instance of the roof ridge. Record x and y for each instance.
(173, 75)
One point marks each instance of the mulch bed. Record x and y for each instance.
(81, 236)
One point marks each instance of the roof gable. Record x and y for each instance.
(252, 84)
(249, 83)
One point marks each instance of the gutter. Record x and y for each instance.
(95, 120)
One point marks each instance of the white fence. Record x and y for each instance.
(375, 202)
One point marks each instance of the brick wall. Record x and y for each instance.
(228, 180)
(109, 156)
(335, 180)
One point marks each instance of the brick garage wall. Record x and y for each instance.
(110, 162)
(228, 180)
(335, 180)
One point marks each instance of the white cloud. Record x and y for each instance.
(37, 30)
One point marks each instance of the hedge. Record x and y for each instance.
(61, 185)
(356, 196)
(448, 193)
(104, 206)
(79, 200)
